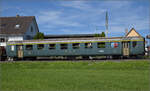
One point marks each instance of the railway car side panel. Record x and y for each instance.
(29, 50)
(137, 48)
(11, 50)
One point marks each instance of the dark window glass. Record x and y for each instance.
(40, 46)
(52, 46)
(31, 29)
(101, 45)
(63, 46)
(2, 40)
(29, 47)
(76, 45)
(88, 45)
(134, 43)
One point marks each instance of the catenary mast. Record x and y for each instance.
(106, 24)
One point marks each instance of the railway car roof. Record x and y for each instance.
(76, 40)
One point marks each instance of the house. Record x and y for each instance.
(17, 28)
(132, 33)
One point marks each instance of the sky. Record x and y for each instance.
(83, 16)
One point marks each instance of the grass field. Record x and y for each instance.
(75, 76)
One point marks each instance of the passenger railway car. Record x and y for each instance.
(71, 47)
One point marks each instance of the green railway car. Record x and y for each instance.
(96, 46)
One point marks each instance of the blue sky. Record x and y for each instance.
(83, 17)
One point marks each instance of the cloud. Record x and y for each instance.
(56, 18)
(77, 5)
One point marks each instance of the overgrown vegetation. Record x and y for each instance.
(75, 76)
(39, 35)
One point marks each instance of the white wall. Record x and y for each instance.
(3, 44)
(15, 38)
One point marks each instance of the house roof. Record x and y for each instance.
(15, 25)
(133, 33)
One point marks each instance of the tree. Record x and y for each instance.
(39, 35)
(97, 35)
(100, 35)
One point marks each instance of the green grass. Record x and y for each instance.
(75, 76)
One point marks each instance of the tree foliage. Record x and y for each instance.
(100, 35)
(39, 35)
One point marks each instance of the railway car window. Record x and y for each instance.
(40, 46)
(52, 46)
(12, 48)
(29, 47)
(114, 44)
(134, 43)
(63, 46)
(88, 45)
(101, 45)
(76, 45)
(2, 40)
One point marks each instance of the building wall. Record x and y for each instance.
(132, 34)
(10, 38)
(2, 43)
(32, 31)
(15, 38)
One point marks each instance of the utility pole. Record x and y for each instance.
(106, 24)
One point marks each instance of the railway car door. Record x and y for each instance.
(20, 51)
(125, 47)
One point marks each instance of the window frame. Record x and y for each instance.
(63, 46)
(28, 48)
(88, 46)
(31, 29)
(134, 44)
(12, 48)
(51, 48)
(75, 45)
(40, 48)
(2, 39)
(101, 44)
(114, 44)
(17, 26)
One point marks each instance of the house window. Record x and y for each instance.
(52, 46)
(63, 46)
(114, 44)
(88, 45)
(31, 29)
(29, 47)
(2, 39)
(101, 45)
(17, 26)
(134, 43)
(76, 45)
(40, 46)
